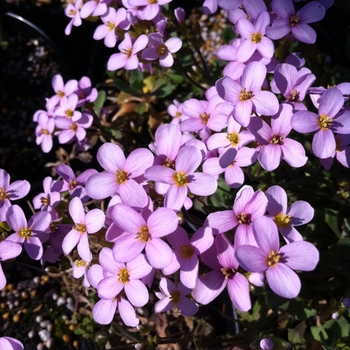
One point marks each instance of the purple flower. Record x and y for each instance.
(44, 131)
(73, 184)
(329, 120)
(121, 175)
(111, 21)
(255, 39)
(8, 343)
(10, 192)
(127, 57)
(275, 144)
(267, 344)
(49, 199)
(85, 92)
(172, 296)
(186, 253)
(157, 49)
(221, 258)
(30, 234)
(183, 178)
(297, 23)
(62, 90)
(248, 206)
(125, 277)
(94, 8)
(150, 9)
(8, 250)
(342, 152)
(277, 263)
(84, 224)
(299, 213)
(292, 83)
(73, 11)
(141, 233)
(248, 96)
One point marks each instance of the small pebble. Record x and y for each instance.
(49, 343)
(44, 335)
(31, 334)
(39, 318)
(61, 301)
(40, 346)
(44, 324)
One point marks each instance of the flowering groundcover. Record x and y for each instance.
(232, 195)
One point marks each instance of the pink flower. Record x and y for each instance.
(8, 250)
(84, 224)
(73, 11)
(255, 39)
(275, 144)
(8, 343)
(121, 175)
(143, 234)
(127, 57)
(94, 8)
(85, 92)
(124, 277)
(111, 21)
(221, 258)
(10, 192)
(329, 120)
(277, 263)
(172, 296)
(163, 51)
(44, 131)
(183, 178)
(62, 90)
(248, 206)
(186, 252)
(150, 9)
(248, 96)
(30, 234)
(297, 23)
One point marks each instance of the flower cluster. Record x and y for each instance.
(250, 117)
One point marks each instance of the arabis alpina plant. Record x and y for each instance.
(10, 192)
(8, 250)
(172, 296)
(143, 234)
(30, 234)
(84, 224)
(277, 263)
(8, 343)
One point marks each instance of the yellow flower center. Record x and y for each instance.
(204, 117)
(80, 228)
(69, 113)
(325, 122)
(293, 20)
(294, 96)
(175, 296)
(161, 49)
(110, 25)
(123, 275)
(80, 263)
(256, 38)
(74, 127)
(127, 52)
(121, 176)
(3, 194)
(45, 200)
(178, 114)
(180, 178)
(233, 138)
(245, 95)
(244, 218)
(61, 93)
(283, 220)
(143, 235)
(73, 184)
(25, 232)
(228, 273)
(273, 258)
(44, 131)
(276, 140)
(186, 251)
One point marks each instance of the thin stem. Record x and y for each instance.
(184, 72)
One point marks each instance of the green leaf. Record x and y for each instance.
(141, 108)
(331, 219)
(319, 333)
(296, 335)
(228, 34)
(123, 86)
(176, 79)
(116, 134)
(165, 90)
(298, 309)
(100, 101)
(136, 80)
(86, 321)
(339, 328)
